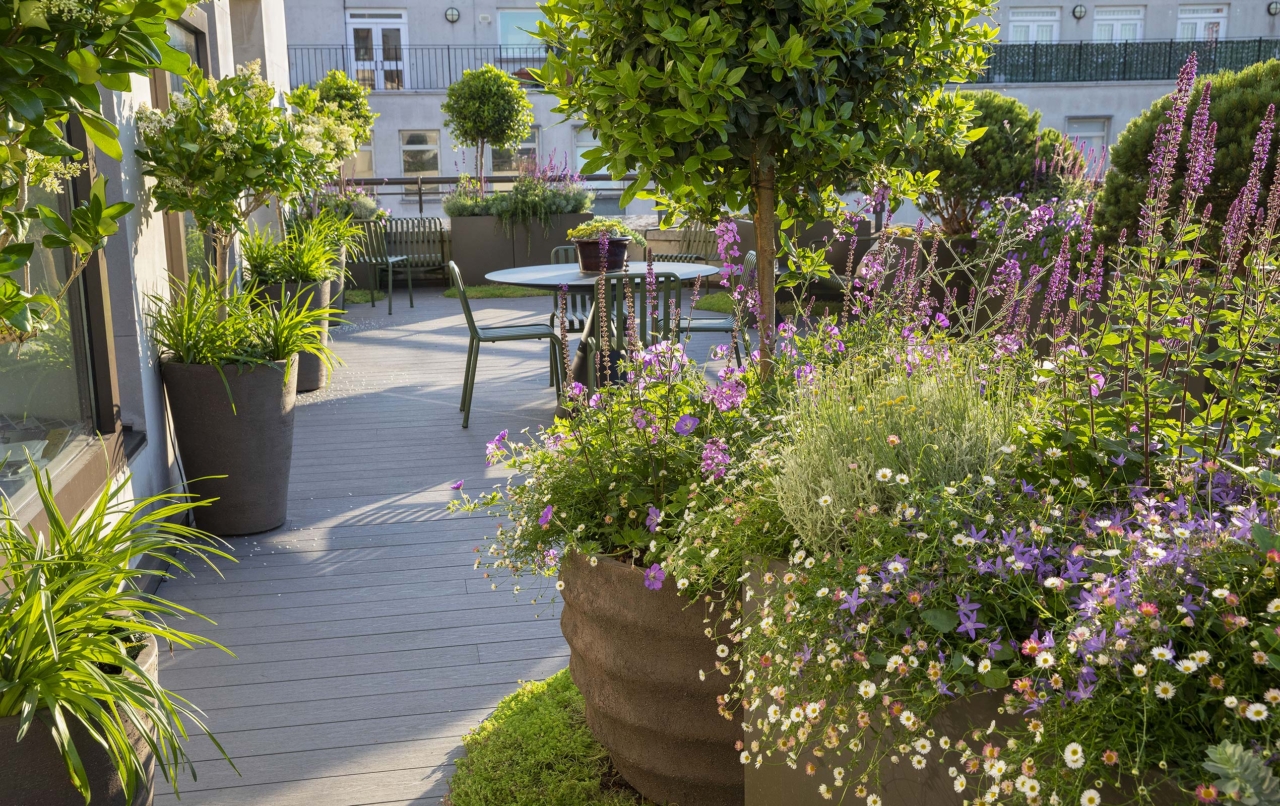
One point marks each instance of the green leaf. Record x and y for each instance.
(943, 621)
(174, 60)
(104, 135)
(975, 134)
(31, 14)
(675, 34)
(995, 678)
(24, 102)
(86, 65)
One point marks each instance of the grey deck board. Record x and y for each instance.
(363, 654)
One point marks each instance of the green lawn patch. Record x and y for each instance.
(499, 292)
(536, 751)
(717, 302)
(360, 296)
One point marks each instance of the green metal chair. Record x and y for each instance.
(621, 289)
(577, 304)
(678, 257)
(697, 238)
(496, 334)
(727, 324)
(374, 252)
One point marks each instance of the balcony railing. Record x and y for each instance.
(1120, 61)
(411, 67)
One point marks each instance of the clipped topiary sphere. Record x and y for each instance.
(1013, 157)
(1237, 102)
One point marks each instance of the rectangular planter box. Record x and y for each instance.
(479, 244)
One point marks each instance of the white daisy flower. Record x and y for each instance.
(1090, 798)
(824, 501)
(1255, 712)
(984, 666)
(959, 783)
(1053, 453)
(1162, 653)
(1186, 666)
(883, 474)
(1045, 660)
(811, 710)
(775, 713)
(1080, 481)
(1231, 702)
(1272, 696)
(797, 714)
(922, 745)
(1073, 754)
(987, 480)
(1273, 606)
(1007, 449)
(901, 478)
(1221, 593)
(1165, 690)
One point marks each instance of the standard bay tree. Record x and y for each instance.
(765, 106)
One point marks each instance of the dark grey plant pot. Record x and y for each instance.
(338, 287)
(312, 372)
(479, 244)
(615, 257)
(32, 772)
(252, 446)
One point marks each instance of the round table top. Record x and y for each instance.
(554, 275)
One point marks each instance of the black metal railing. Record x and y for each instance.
(1120, 61)
(411, 67)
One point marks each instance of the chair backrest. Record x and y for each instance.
(749, 262)
(423, 240)
(651, 326)
(678, 257)
(455, 277)
(564, 254)
(697, 238)
(373, 248)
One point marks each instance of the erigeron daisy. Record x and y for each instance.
(945, 743)
(1201, 657)
(1255, 712)
(1007, 449)
(745, 757)
(984, 666)
(1080, 481)
(682, 584)
(1053, 453)
(1091, 798)
(1032, 788)
(901, 478)
(1045, 660)
(1231, 702)
(1272, 696)
(1186, 666)
(950, 490)
(812, 710)
(560, 584)
(996, 768)
(797, 714)
(824, 501)
(883, 474)
(909, 720)
(1165, 690)
(989, 481)
(1162, 653)
(1073, 754)
(824, 792)
(1273, 606)
(775, 713)
(1221, 593)
(722, 651)
(922, 745)
(918, 762)
(959, 783)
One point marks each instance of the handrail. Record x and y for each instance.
(422, 186)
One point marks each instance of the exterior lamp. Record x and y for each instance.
(1273, 8)
(1079, 11)
(452, 14)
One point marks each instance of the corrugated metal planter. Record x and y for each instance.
(33, 773)
(635, 655)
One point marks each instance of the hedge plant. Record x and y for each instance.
(1013, 157)
(487, 107)
(1237, 103)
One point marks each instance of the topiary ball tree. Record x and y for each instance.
(1237, 103)
(1011, 158)
(487, 106)
(761, 105)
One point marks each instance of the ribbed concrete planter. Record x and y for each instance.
(32, 772)
(312, 373)
(635, 654)
(251, 446)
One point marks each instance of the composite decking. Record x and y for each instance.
(365, 643)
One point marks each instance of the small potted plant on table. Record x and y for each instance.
(602, 244)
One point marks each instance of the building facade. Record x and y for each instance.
(85, 397)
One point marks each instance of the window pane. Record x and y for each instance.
(420, 138)
(392, 79)
(360, 164)
(362, 38)
(1020, 34)
(45, 400)
(184, 40)
(420, 162)
(513, 25)
(391, 44)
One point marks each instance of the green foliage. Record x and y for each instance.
(218, 324)
(351, 101)
(536, 750)
(223, 150)
(1242, 775)
(592, 229)
(1238, 101)
(55, 58)
(308, 253)
(487, 106)
(72, 615)
(360, 296)
(497, 292)
(1013, 156)
(533, 197)
(764, 107)
(349, 202)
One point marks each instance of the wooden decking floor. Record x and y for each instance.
(365, 643)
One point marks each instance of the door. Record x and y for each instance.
(375, 43)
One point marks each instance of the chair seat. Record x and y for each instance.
(394, 259)
(514, 332)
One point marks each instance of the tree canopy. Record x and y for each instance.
(487, 106)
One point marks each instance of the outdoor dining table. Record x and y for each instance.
(553, 275)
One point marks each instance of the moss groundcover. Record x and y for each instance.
(536, 750)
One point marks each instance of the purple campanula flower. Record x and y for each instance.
(457, 485)
(685, 425)
(545, 517)
(851, 602)
(654, 576)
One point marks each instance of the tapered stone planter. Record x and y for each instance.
(312, 372)
(33, 773)
(252, 445)
(635, 654)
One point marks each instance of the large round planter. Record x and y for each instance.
(636, 655)
(338, 286)
(32, 772)
(252, 445)
(312, 372)
(589, 255)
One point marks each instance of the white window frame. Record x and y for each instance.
(424, 147)
(380, 73)
(1037, 25)
(1103, 130)
(578, 147)
(1109, 23)
(534, 138)
(350, 167)
(1194, 20)
(509, 13)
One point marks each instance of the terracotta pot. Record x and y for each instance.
(33, 773)
(312, 372)
(636, 654)
(252, 445)
(589, 255)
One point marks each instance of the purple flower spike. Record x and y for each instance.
(655, 517)
(654, 576)
(685, 425)
(457, 485)
(545, 517)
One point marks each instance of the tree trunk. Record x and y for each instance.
(766, 254)
(480, 165)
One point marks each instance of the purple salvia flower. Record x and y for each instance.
(1164, 153)
(1200, 150)
(715, 458)
(1236, 229)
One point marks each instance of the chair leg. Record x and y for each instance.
(737, 354)
(466, 373)
(557, 369)
(408, 278)
(373, 292)
(391, 287)
(471, 386)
